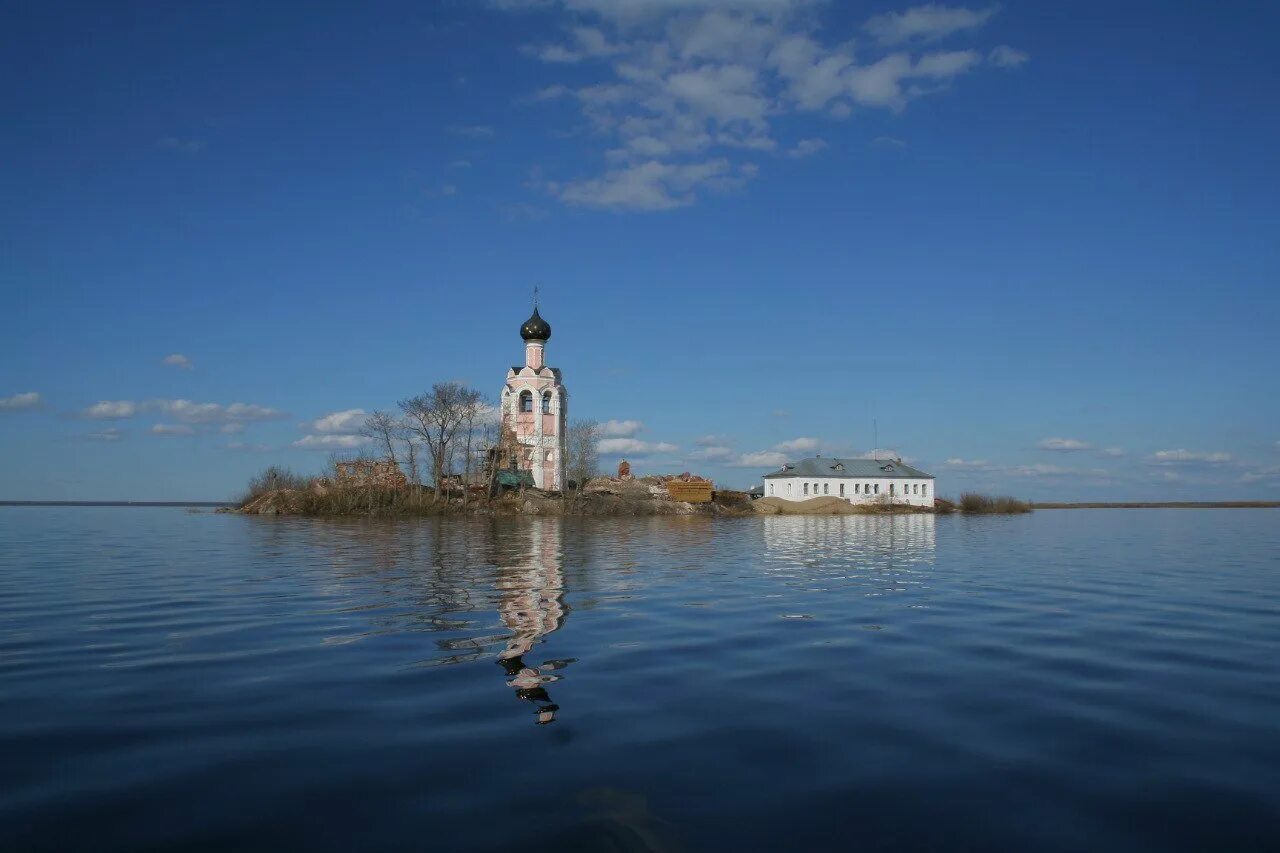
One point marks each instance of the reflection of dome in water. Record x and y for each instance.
(536, 328)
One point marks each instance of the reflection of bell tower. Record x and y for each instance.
(531, 604)
(535, 408)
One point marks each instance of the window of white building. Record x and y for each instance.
(825, 486)
(526, 401)
(842, 490)
(806, 489)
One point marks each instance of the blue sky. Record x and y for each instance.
(1037, 243)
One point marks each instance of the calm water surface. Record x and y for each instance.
(1101, 680)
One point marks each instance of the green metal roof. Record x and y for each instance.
(821, 466)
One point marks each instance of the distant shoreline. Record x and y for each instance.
(1161, 505)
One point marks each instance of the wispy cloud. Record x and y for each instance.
(345, 422)
(1262, 475)
(190, 412)
(172, 430)
(925, 23)
(797, 445)
(760, 459)
(806, 148)
(1004, 56)
(686, 93)
(108, 435)
(20, 402)
(330, 442)
(1188, 457)
(177, 359)
(1063, 445)
(634, 446)
(712, 453)
(105, 410)
(621, 428)
(968, 464)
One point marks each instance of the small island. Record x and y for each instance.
(525, 457)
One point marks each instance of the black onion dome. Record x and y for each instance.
(535, 328)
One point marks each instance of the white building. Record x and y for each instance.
(854, 480)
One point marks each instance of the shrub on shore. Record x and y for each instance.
(976, 504)
(275, 478)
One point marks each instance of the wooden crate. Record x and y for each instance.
(694, 493)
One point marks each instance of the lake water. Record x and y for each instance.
(1069, 680)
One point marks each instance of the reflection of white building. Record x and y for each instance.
(845, 544)
(531, 605)
(855, 480)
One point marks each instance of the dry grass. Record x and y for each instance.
(273, 479)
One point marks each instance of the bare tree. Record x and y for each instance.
(405, 433)
(383, 429)
(583, 441)
(437, 417)
(474, 411)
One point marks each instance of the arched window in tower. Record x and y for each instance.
(526, 401)
(546, 403)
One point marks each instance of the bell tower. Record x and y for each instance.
(535, 408)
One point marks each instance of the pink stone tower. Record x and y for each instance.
(535, 408)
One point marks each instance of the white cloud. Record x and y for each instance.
(925, 23)
(968, 464)
(18, 402)
(688, 90)
(888, 142)
(761, 459)
(1188, 457)
(172, 430)
(108, 435)
(231, 428)
(712, 438)
(623, 428)
(1063, 445)
(615, 446)
(1262, 475)
(884, 453)
(177, 359)
(111, 410)
(345, 422)
(797, 445)
(1041, 470)
(585, 43)
(1004, 56)
(648, 186)
(806, 147)
(330, 442)
(1112, 452)
(191, 412)
(712, 453)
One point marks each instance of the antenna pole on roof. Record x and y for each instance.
(875, 440)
